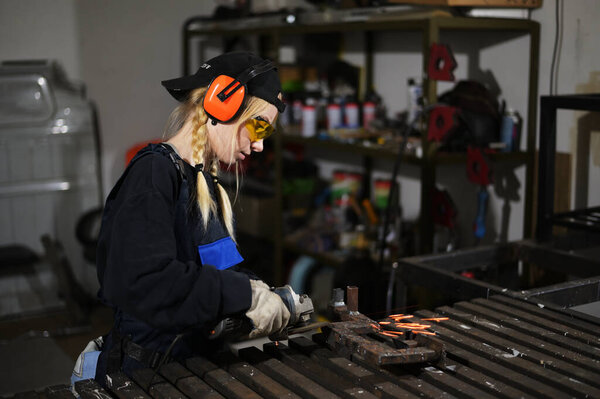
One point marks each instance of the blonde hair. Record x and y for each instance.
(193, 110)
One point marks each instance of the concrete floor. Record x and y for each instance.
(39, 351)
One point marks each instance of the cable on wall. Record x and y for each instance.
(559, 14)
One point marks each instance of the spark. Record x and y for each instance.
(436, 319)
(424, 332)
(401, 317)
(410, 326)
(394, 332)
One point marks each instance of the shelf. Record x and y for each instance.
(367, 19)
(333, 144)
(377, 151)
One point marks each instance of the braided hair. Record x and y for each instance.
(202, 156)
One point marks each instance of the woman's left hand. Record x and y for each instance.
(268, 313)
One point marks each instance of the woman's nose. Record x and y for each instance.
(257, 146)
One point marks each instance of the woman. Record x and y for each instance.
(166, 251)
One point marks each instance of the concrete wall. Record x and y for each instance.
(127, 48)
(122, 49)
(40, 29)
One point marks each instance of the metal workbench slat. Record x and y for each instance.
(452, 384)
(188, 383)
(316, 372)
(155, 385)
(219, 379)
(509, 359)
(285, 375)
(527, 350)
(61, 391)
(482, 381)
(541, 321)
(529, 329)
(123, 388)
(404, 380)
(26, 395)
(409, 382)
(252, 377)
(480, 320)
(368, 379)
(515, 380)
(90, 389)
(548, 314)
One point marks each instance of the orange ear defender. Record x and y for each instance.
(226, 96)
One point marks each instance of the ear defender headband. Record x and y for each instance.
(226, 96)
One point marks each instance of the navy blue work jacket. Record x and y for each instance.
(157, 265)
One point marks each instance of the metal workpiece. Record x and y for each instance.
(361, 337)
(352, 299)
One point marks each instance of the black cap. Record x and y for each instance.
(265, 85)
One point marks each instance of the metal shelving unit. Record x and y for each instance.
(431, 24)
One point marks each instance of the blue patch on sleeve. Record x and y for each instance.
(222, 254)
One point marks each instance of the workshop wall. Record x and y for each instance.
(40, 29)
(127, 48)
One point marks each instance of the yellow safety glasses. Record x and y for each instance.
(259, 129)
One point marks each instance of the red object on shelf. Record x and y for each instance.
(444, 210)
(478, 168)
(441, 63)
(441, 121)
(468, 274)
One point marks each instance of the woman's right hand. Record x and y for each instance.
(268, 313)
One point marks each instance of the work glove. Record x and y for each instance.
(268, 313)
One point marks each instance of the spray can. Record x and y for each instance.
(297, 111)
(334, 116)
(415, 93)
(351, 115)
(368, 113)
(510, 130)
(309, 121)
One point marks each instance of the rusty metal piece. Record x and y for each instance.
(352, 298)
(360, 337)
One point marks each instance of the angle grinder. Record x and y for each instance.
(300, 308)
